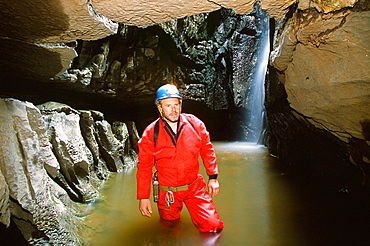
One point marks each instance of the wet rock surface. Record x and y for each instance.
(317, 97)
(47, 164)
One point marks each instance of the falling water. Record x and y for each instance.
(256, 95)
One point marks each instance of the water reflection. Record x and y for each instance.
(258, 203)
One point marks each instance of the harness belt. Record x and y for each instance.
(174, 189)
(177, 188)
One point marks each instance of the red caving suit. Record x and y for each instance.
(177, 163)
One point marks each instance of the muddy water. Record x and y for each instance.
(257, 202)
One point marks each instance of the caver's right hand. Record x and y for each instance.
(145, 207)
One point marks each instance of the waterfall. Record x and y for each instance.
(256, 95)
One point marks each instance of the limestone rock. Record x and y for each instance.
(51, 156)
(111, 148)
(23, 152)
(318, 96)
(134, 135)
(53, 22)
(86, 148)
(34, 61)
(4, 201)
(277, 9)
(337, 102)
(75, 158)
(37, 124)
(128, 135)
(87, 124)
(146, 13)
(33, 43)
(331, 6)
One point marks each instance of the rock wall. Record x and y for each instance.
(203, 54)
(51, 157)
(318, 95)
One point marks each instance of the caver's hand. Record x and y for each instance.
(145, 207)
(213, 187)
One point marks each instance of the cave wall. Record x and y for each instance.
(204, 55)
(318, 95)
(51, 158)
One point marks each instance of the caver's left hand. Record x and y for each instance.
(213, 187)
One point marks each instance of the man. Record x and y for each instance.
(173, 144)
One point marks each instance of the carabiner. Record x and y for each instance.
(169, 198)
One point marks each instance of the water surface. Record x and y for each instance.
(257, 202)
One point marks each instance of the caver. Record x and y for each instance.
(172, 144)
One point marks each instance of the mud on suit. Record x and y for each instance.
(177, 163)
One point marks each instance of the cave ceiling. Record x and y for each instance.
(29, 25)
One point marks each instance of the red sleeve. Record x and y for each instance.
(207, 151)
(145, 164)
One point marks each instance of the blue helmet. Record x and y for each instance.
(167, 91)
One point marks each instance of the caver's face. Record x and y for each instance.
(170, 109)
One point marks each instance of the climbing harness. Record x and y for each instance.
(169, 199)
(175, 189)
